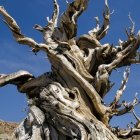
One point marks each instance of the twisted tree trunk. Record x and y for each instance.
(67, 103)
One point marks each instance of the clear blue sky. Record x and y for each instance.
(14, 57)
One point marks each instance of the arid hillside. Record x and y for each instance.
(6, 130)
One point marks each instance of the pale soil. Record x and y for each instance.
(7, 129)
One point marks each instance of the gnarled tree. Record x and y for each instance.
(68, 102)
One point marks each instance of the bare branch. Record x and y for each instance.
(130, 33)
(36, 83)
(20, 38)
(127, 107)
(104, 29)
(121, 89)
(127, 52)
(38, 27)
(132, 130)
(49, 29)
(55, 14)
(132, 29)
(91, 39)
(116, 109)
(136, 117)
(126, 133)
(132, 61)
(96, 29)
(68, 21)
(100, 32)
(17, 78)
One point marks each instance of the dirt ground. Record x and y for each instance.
(6, 130)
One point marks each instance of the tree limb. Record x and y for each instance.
(17, 78)
(121, 89)
(49, 29)
(68, 21)
(20, 38)
(100, 32)
(127, 107)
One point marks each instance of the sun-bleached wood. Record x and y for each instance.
(68, 102)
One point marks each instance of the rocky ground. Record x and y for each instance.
(6, 130)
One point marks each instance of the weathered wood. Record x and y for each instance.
(68, 103)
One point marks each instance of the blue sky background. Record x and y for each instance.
(14, 57)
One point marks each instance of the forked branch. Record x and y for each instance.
(131, 130)
(52, 23)
(68, 21)
(92, 38)
(125, 107)
(49, 29)
(100, 32)
(20, 38)
(121, 89)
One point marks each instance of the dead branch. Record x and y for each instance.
(68, 21)
(92, 38)
(70, 98)
(126, 133)
(17, 78)
(116, 109)
(121, 89)
(20, 38)
(130, 131)
(137, 125)
(100, 32)
(127, 107)
(126, 53)
(132, 29)
(52, 24)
